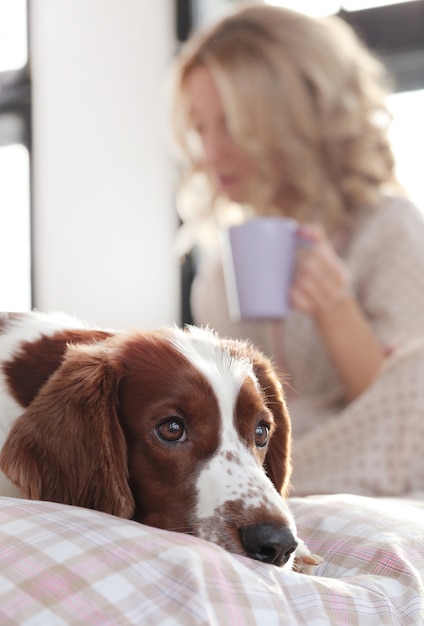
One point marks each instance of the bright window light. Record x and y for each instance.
(15, 256)
(13, 34)
(358, 5)
(309, 7)
(407, 135)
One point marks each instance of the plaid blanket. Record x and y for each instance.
(62, 565)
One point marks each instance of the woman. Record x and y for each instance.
(277, 113)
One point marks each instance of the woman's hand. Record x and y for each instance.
(322, 279)
(321, 289)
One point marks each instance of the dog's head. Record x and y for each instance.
(177, 429)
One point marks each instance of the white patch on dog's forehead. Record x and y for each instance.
(225, 373)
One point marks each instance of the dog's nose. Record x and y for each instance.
(267, 543)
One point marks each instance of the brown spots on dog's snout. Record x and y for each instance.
(227, 526)
(247, 499)
(231, 457)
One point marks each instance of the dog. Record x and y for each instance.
(174, 428)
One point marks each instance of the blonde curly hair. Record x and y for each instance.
(305, 99)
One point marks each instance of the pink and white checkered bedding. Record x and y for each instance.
(62, 565)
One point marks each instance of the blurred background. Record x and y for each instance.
(87, 215)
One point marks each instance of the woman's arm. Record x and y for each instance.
(321, 289)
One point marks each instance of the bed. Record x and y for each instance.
(62, 565)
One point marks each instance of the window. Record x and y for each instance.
(408, 141)
(15, 218)
(15, 258)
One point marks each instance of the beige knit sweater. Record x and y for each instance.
(375, 445)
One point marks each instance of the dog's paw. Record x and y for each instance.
(304, 561)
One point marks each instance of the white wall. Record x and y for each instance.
(104, 220)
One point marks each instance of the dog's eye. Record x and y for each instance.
(172, 430)
(261, 435)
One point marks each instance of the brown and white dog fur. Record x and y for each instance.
(178, 429)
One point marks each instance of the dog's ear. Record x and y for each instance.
(278, 458)
(68, 446)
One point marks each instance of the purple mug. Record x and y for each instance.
(258, 259)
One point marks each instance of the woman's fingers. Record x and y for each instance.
(321, 277)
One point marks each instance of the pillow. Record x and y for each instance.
(63, 565)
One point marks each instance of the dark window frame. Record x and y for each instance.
(394, 32)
